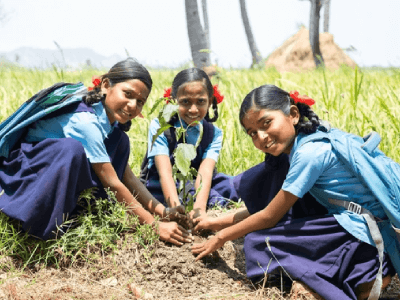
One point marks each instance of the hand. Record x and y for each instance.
(197, 212)
(178, 215)
(203, 223)
(173, 233)
(207, 247)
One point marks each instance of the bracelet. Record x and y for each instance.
(167, 211)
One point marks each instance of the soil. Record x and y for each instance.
(295, 54)
(163, 271)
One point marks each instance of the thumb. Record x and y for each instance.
(180, 209)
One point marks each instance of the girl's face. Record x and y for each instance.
(193, 101)
(124, 100)
(271, 130)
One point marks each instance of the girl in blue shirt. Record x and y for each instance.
(334, 254)
(195, 95)
(69, 151)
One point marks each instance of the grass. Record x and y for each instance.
(356, 101)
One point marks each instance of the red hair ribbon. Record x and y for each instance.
(301, 99)
(218, 96)
(96, 80)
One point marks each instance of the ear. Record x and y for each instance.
(294, 114)
(105, 86)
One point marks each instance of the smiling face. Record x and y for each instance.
(124, 100)
(271, 130)
(193, 101)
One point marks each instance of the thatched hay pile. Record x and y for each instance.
(295, 54)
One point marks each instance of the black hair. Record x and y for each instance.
(195, 74)
(122, 71)
(273, 98)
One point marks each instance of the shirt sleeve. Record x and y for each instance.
(215, 146)
(306, 166)
(160, 145)
(85, 128)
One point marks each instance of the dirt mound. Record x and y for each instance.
(295, 54)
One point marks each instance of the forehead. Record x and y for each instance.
(254, 116)
(192, 88)
(137, 85)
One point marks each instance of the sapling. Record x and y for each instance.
(184, 153)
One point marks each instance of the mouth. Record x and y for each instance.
(192, 117)
(270, 144)
(126, 114)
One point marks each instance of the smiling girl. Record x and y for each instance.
(334, 254)
(79, 147)
(195, 95)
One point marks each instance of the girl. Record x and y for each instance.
(334, 254)
(195, 95)
(78, 148)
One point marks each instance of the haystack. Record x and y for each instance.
(295, 54)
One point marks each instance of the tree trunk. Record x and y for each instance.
(206, 24)
(197, 38)
(250, 38)
(314, 32)
(327, 4)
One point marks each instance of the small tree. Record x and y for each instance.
(314, 32)
(197, 36)
(327, 4)
(257, 59)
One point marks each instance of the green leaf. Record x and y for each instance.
(179, 131)
(158, 101)
(184, 154)
(169, 110)
(159, 131)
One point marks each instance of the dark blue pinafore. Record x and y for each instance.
(222, 189)
(40, 182)
(309, 244)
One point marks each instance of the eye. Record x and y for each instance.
(202, 101)
(252, 134)
(183, 101)
(128, 94)
(266, 123)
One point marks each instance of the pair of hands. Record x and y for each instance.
(176, 234)
(171, 230)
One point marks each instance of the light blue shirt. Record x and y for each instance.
(160, 146)
(88, 128)
(316, 168)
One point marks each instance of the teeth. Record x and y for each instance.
(270, 144)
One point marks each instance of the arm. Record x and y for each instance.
(204, 175)
(221, 222)
(170, 231)
(164, 169)
(266, 218)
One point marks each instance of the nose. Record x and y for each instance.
(193, 108)
(262, 135)
(132, 105)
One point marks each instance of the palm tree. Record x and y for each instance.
(327, 4)
(257, 59)
(197, 36)
(314, 32)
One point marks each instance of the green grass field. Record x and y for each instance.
(357, 101)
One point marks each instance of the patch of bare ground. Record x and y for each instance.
(162, 271)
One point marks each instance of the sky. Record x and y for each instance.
(154, 31)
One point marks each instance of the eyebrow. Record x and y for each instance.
(262, 118)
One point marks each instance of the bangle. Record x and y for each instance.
(167, 211)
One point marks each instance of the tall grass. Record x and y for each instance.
(356, 101)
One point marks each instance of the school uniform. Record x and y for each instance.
(221, 185)
(44, 173)
(333, 253)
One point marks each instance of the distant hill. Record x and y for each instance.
(73, 58)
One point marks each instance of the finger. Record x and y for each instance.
(182, 230)
(202, 254)
(175, 242)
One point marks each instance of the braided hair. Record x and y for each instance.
(273, 98)
(122, 71)
(190, 75)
